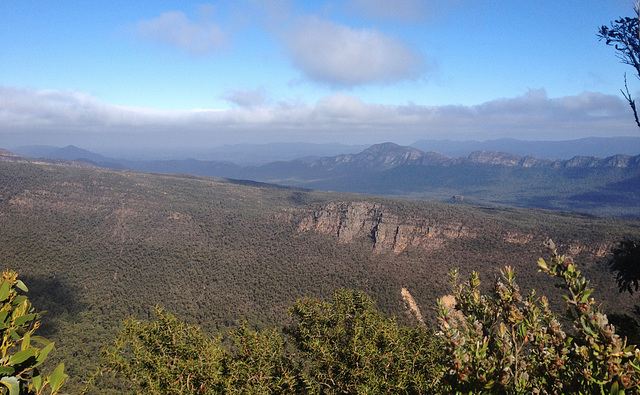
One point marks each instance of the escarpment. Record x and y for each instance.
(387, 231)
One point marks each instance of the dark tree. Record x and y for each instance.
(626, 264)
(624, 36)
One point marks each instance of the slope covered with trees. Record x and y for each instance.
(97, 246)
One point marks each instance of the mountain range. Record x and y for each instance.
(566, 149)
(585, 184)
(259, 154)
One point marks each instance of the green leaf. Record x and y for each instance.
(586, 295)
(542, 264)
(22, 356)
(24, 319)
(36, 379)
(18, 300)
(21, 286)
(26, 341)
(4, 290)
(7, 370)
(12, 383)
(57, 378)
(40, 340)
(614, 388)
(42, 355)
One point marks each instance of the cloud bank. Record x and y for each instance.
(28, 116)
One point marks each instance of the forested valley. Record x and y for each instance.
(111, 256)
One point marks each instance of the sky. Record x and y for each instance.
(108, 74)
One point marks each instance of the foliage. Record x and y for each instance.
(345, 346)
(166, 356)
(509, 344)
(604, 360)
(624, 36)
(352, 348)
(502, 343)
(260, 364)
(626, 264)
(19, 357)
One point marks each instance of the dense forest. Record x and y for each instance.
(99, 246)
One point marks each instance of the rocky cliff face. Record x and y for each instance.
(386, 230)
(390, 231)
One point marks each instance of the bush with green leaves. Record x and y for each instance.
(350, 347)
(20, 358)
(505, 343)
(166, 356)
(345, 346)
(260, 364)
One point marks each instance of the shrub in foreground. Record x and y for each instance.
(342, 346)
(20, 358)
(506, 343)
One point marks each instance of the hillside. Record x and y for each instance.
(97, 245)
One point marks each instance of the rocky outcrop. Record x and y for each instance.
(412, 306)
(518, 238)
(504, 159)
(386, 230)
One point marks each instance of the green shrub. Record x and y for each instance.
(19, 357)
(350, 347)
(166, 356)
(260, 365)
(505, 343)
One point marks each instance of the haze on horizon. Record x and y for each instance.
(182, 74)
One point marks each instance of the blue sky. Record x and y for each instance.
(169, 73)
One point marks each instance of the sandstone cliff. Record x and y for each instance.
(386, 230)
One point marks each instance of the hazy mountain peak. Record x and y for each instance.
(385, 147)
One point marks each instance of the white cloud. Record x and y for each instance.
(245, 98)
(342, 56)
(175, 29)
(29, 116)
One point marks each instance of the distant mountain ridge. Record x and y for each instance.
(590, 146)
(388, 155)
(585, 184)
(378, 156)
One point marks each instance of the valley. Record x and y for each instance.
(97, 245)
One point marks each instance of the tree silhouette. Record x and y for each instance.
(626, 264)
(624, 36)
